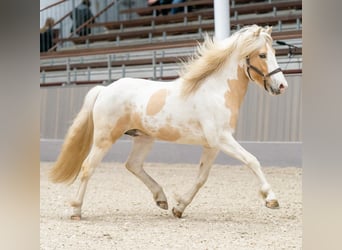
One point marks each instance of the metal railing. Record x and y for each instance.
(156, 70)
(60, 12)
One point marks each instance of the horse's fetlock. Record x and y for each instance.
(159, 194)
(76, 204)
(265, 188)
(179, 199)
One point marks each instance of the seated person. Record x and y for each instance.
(82, 14)
(178, 9)
(46, 35)
(166, 11)
(159, 2)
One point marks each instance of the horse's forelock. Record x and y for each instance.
(253, 40)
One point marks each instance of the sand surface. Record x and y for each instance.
(227, 213)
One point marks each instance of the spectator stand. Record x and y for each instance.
(154, 44)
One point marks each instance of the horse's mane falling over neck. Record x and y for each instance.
(211, 55)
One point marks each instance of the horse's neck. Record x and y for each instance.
(230, 77)
(237, 87)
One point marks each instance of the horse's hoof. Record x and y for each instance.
(176, 213)
(162, 204)
(75, 217)
(272, 204)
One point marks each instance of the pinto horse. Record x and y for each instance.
(200, 107)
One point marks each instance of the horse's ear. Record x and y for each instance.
(269, 29)
(257, 32)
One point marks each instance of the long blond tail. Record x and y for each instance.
(77, 142)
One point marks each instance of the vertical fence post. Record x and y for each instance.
(43, 76)
(68, 70)
(186, 15)
(298, 23)
(117, 11)
(123, 72)
(75, 75)
(106, 13)
(154, 66)
(89, 73)
(110, 68)
(73, 17)
(161, 70)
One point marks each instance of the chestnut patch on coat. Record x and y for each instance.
(168, 133)
(156, 102)
(120, 127)
(136, 121)
(231, 104)
(234, 96)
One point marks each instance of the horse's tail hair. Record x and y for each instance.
(77, 142)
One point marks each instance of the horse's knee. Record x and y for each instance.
(253, 162)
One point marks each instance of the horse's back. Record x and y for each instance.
(132, 88)
(126, 95)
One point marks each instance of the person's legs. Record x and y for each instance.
(178, 9)
(165, 11)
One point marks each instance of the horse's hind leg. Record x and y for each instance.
(142, 144)
(93, 159)
(207, 159)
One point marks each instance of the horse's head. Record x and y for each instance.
(260, 62)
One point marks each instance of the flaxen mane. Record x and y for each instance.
(210, 56)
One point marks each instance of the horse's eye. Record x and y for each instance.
(263, 55)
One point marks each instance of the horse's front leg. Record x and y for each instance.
(207, 159)
(231, 147)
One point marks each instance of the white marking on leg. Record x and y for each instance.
(231, 147)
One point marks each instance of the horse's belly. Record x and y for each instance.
(198, 140)
(181, 135)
